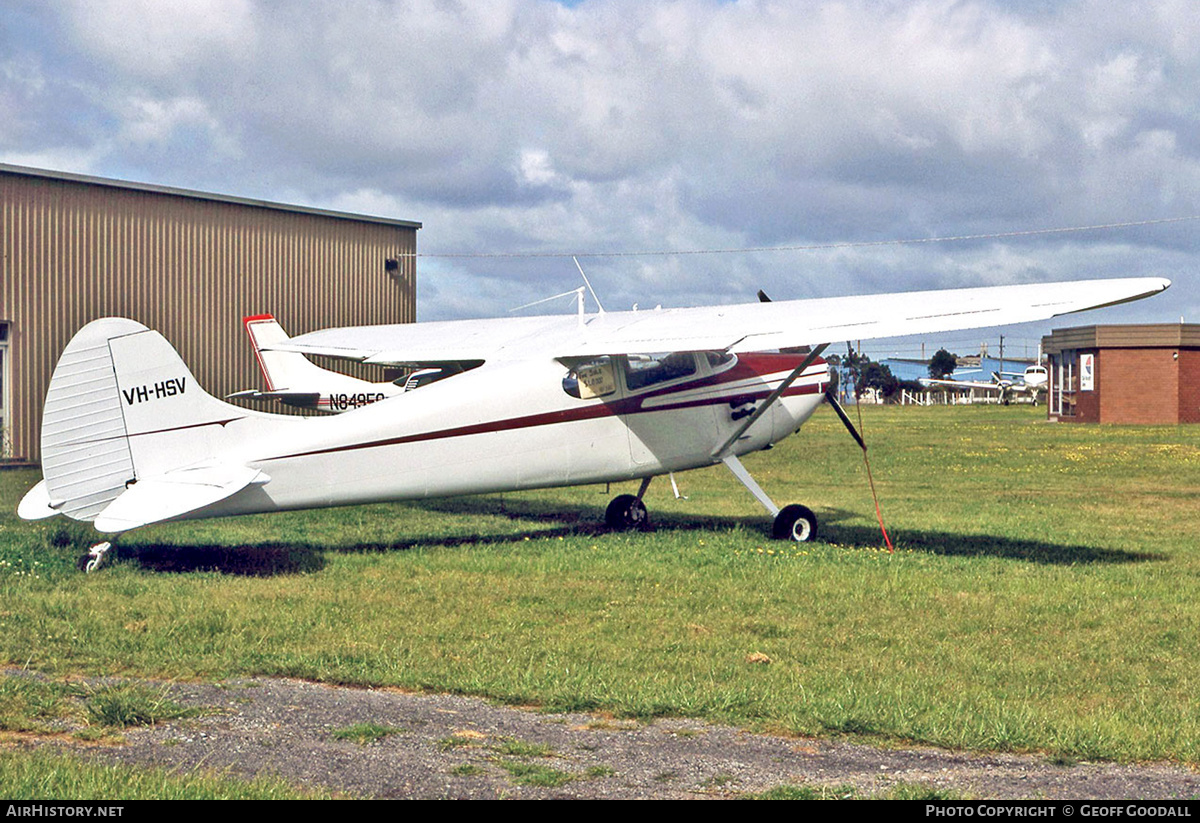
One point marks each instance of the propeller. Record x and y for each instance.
(837, 407)
(829, 398)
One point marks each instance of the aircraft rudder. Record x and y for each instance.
(121, 405)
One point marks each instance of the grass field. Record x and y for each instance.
(1042, 597)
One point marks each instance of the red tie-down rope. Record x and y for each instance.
(862, 440)
(871, 481)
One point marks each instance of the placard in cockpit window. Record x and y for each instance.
(596, 379)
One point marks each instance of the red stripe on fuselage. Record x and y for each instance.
(763, 366)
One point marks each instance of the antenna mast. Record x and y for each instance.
(588, 284)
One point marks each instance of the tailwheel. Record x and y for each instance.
(95, 557)
(795, 522)
(626, 512)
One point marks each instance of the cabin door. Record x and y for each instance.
(671, 423)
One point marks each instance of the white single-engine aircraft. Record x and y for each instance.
(129, 438)
(294, 380)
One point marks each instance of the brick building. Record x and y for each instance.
(1125, 374)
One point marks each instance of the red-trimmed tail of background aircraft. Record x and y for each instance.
(294, 380)
(130, 439)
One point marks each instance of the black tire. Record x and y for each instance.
(795, 522)
(626, 512)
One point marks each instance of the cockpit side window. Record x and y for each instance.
(591, 379)
(645, 370)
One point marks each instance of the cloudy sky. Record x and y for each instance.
(615, 126)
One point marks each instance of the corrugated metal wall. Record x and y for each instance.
(187, 265)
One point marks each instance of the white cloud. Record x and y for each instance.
(158, 122)
(162, 39)
(618, 125)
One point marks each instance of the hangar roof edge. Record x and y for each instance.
(152, 188)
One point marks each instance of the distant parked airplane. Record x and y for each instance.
(1032, 382)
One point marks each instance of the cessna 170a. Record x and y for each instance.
(294, 380)
(129, 438)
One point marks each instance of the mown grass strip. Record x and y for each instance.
(1044, 595)
(45, 774)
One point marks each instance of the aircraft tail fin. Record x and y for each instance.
(123, 407)
(283, 371)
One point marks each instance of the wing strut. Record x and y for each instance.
(721, 451)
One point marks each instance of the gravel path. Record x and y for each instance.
(446, 746)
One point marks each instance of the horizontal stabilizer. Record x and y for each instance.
(36, 504)
(292, 398)
(175, 494)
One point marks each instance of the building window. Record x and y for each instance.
(1065, 366)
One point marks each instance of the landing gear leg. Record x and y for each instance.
(794, 522)
(627, 511)
(95, 557)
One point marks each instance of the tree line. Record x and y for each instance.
(865, 374)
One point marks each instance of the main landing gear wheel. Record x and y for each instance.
(795, 522)
(626, 512)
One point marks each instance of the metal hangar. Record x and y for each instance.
(189, 264)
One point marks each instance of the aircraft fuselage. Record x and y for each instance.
(516, 426)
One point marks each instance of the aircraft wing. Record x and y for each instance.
(963, 384)
(737, 328)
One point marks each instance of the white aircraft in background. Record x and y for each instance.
(130, 439)
(1035, 377)
(294, 380)
(1033, 381)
